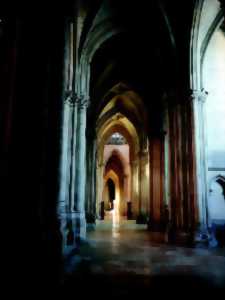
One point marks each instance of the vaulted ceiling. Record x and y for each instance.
(150, 52)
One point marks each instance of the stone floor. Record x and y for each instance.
(124, 261)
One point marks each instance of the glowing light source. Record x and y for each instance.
(116, 212)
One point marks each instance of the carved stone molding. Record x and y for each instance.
(198, 95)
(117, 117)
(143, 153)
(134, 163)
(83, 101)
(71, 98)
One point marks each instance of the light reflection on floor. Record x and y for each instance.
(128, 261)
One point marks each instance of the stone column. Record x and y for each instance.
(156, 178)
(67, 136)
(65, 205)
(198, 99)
(135, 188)
(66, 152)
(143, 190)
(144, 181)
(79, 203)
(72, 170)
(125, 187)
(127, 195)
(94, 181)
(140, 175)
(100, 186)
(166, 152)
(91, 179)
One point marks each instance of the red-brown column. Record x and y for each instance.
(156, 181)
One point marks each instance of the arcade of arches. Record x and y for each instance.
(141, 127)
(144, 133)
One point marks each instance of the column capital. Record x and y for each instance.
(71, 97)
(83, 101)
(198, 95)
(134, 163)
(100, 165)
(143, 153)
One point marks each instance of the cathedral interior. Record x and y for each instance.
(113, 146)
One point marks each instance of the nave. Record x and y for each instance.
(125, 260)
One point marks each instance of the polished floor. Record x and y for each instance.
(126, 260)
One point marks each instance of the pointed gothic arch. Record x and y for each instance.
(207, 19)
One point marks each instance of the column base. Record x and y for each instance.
(156, 226)
(129, 211)
(171, 234)
(73, 230)
(91, 227)
(217, 234)
(142, 218)
(90, 219)
(80, 226)
(201, 238)
(179, 237)
(63, 228)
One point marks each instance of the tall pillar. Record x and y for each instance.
(79, 203)
(177, 163)
(166, 167)
(127, 195)
(198, 99)
(90, 206)
(67, 136)
(156, 152)
(93, 182)
(100, 186)
(125, 191)
(143, 186)
(66, 198)
(66, 121)
(72, 151)
(144, 181)
(135, 188)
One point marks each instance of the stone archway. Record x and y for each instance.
(76, 191)
(135, 186)
(112, 205)
(125, 154)
(206, 36)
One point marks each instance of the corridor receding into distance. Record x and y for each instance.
(142, 182)
(113, 146)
